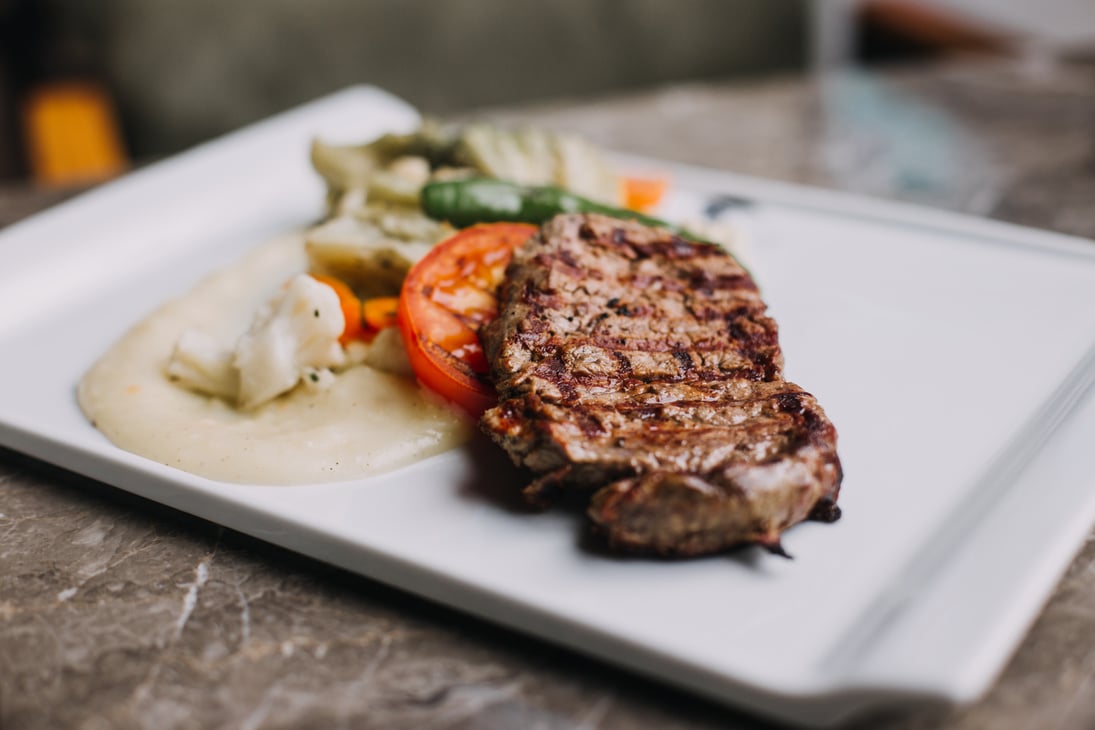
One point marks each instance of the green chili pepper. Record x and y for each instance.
(487, 200)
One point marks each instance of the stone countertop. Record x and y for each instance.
(116, 612)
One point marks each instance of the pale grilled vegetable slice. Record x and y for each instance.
(537, 157)
(372, 249)
(352, 167)
(400, 182)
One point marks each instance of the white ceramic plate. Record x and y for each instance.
(954, 355)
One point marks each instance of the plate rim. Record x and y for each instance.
(820, 706)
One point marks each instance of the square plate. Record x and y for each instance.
(956, 357)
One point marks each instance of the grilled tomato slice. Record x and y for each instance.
(445, 300)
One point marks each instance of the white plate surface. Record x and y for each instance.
(954, 355)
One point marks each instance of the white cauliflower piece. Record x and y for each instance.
(202, 364)
(294, 334)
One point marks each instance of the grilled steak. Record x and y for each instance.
(640, 366)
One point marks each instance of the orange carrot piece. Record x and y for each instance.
(642, 194)
(355, 328)
(380, 312)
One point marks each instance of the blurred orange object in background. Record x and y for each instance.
(71, 134)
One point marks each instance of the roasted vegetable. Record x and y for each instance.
(354, 328)
(447, 297)
(354, 167)
(372, 248)
(400, 182)
(372, 266)
(538, 157)
(394, 166)
(483, 200)
(380, 312)
(644, 193)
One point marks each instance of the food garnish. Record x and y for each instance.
(446, 298)
(354, 327)
(642, 194)
(380, 312)
(478, 200)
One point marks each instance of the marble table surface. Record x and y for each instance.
(116, 612)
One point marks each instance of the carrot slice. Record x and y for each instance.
(380, 312)
(355, 328)
(642, 194)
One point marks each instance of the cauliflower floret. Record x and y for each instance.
(294, 334)
(202, 364)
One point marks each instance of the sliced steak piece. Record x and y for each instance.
(641, 366)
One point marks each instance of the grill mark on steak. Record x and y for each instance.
(684, 358)
(625, 370)
(641, 365)
(705, 282)
(608, 340)
(587, 362)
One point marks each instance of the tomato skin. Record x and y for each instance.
(446, 298)
(431, 366)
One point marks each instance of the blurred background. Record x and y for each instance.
(88, 89)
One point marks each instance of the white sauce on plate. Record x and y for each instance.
(366, 422)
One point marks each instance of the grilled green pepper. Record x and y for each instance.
(486, 200)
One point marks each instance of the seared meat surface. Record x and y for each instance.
(641, 366)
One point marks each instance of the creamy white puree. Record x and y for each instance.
(366, 422)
